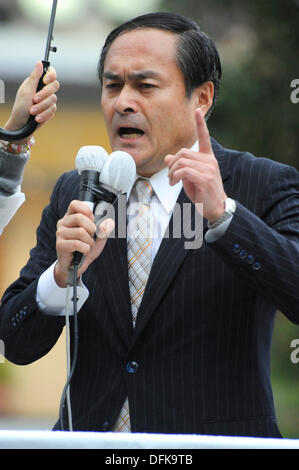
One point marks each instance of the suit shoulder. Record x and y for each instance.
(68, 181)
(67, 177)
(245, 161)
(65, 190)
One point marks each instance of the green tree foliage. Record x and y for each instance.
(254, 110)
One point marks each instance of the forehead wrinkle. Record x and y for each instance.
(142, 75)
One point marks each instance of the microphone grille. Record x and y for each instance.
(91, 157)
(119, 171)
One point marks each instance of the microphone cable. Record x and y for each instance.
(68, 353)
(65, 397)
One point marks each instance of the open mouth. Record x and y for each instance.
(130, 133)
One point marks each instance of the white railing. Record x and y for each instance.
(92, 440)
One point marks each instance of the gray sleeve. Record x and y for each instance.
(11, 171)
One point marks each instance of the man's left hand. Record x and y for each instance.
(200, 174)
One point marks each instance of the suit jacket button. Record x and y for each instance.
(250, 259)
(243, 254)
(236, 248)
(23, 311)
(132, 367)
(256, 266)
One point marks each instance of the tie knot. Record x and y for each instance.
(144, 191)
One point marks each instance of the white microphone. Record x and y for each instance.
(117, 177)
(119, 171)
(89, 163)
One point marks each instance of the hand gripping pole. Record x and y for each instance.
(31, 124)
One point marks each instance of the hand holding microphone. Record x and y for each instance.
(101, 177)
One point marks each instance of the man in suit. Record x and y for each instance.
(173, 339)
(15, 155)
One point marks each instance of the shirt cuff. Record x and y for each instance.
(52, 299)
(214, 234)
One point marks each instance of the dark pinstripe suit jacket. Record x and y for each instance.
(201, 346)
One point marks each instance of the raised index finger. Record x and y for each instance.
(204, 142)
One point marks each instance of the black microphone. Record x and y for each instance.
(89, 163)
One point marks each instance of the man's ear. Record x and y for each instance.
(204, 96)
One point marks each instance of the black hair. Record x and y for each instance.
(197, 56)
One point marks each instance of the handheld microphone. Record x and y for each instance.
(103, 179)
(89, 163)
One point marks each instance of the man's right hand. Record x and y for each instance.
(75, 232)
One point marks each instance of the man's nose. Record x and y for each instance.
(126, 101)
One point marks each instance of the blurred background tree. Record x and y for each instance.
(258, 43)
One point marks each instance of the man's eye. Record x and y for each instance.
(111, 86)
(147, 85)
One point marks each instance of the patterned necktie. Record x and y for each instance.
(140, 230)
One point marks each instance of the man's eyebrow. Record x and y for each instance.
(111, 76)
(143, 75)
(132, 76)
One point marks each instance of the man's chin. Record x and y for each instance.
(135, 150)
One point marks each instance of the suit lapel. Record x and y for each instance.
(221, 155)
(169, 258)
(112, 269)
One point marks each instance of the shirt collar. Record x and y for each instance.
(166, 194)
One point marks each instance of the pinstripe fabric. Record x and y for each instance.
(139, 265)
(203, 335)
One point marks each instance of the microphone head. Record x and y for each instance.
(91, 157)
(119, 171)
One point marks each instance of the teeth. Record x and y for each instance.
(131, 136)
(130, 133)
